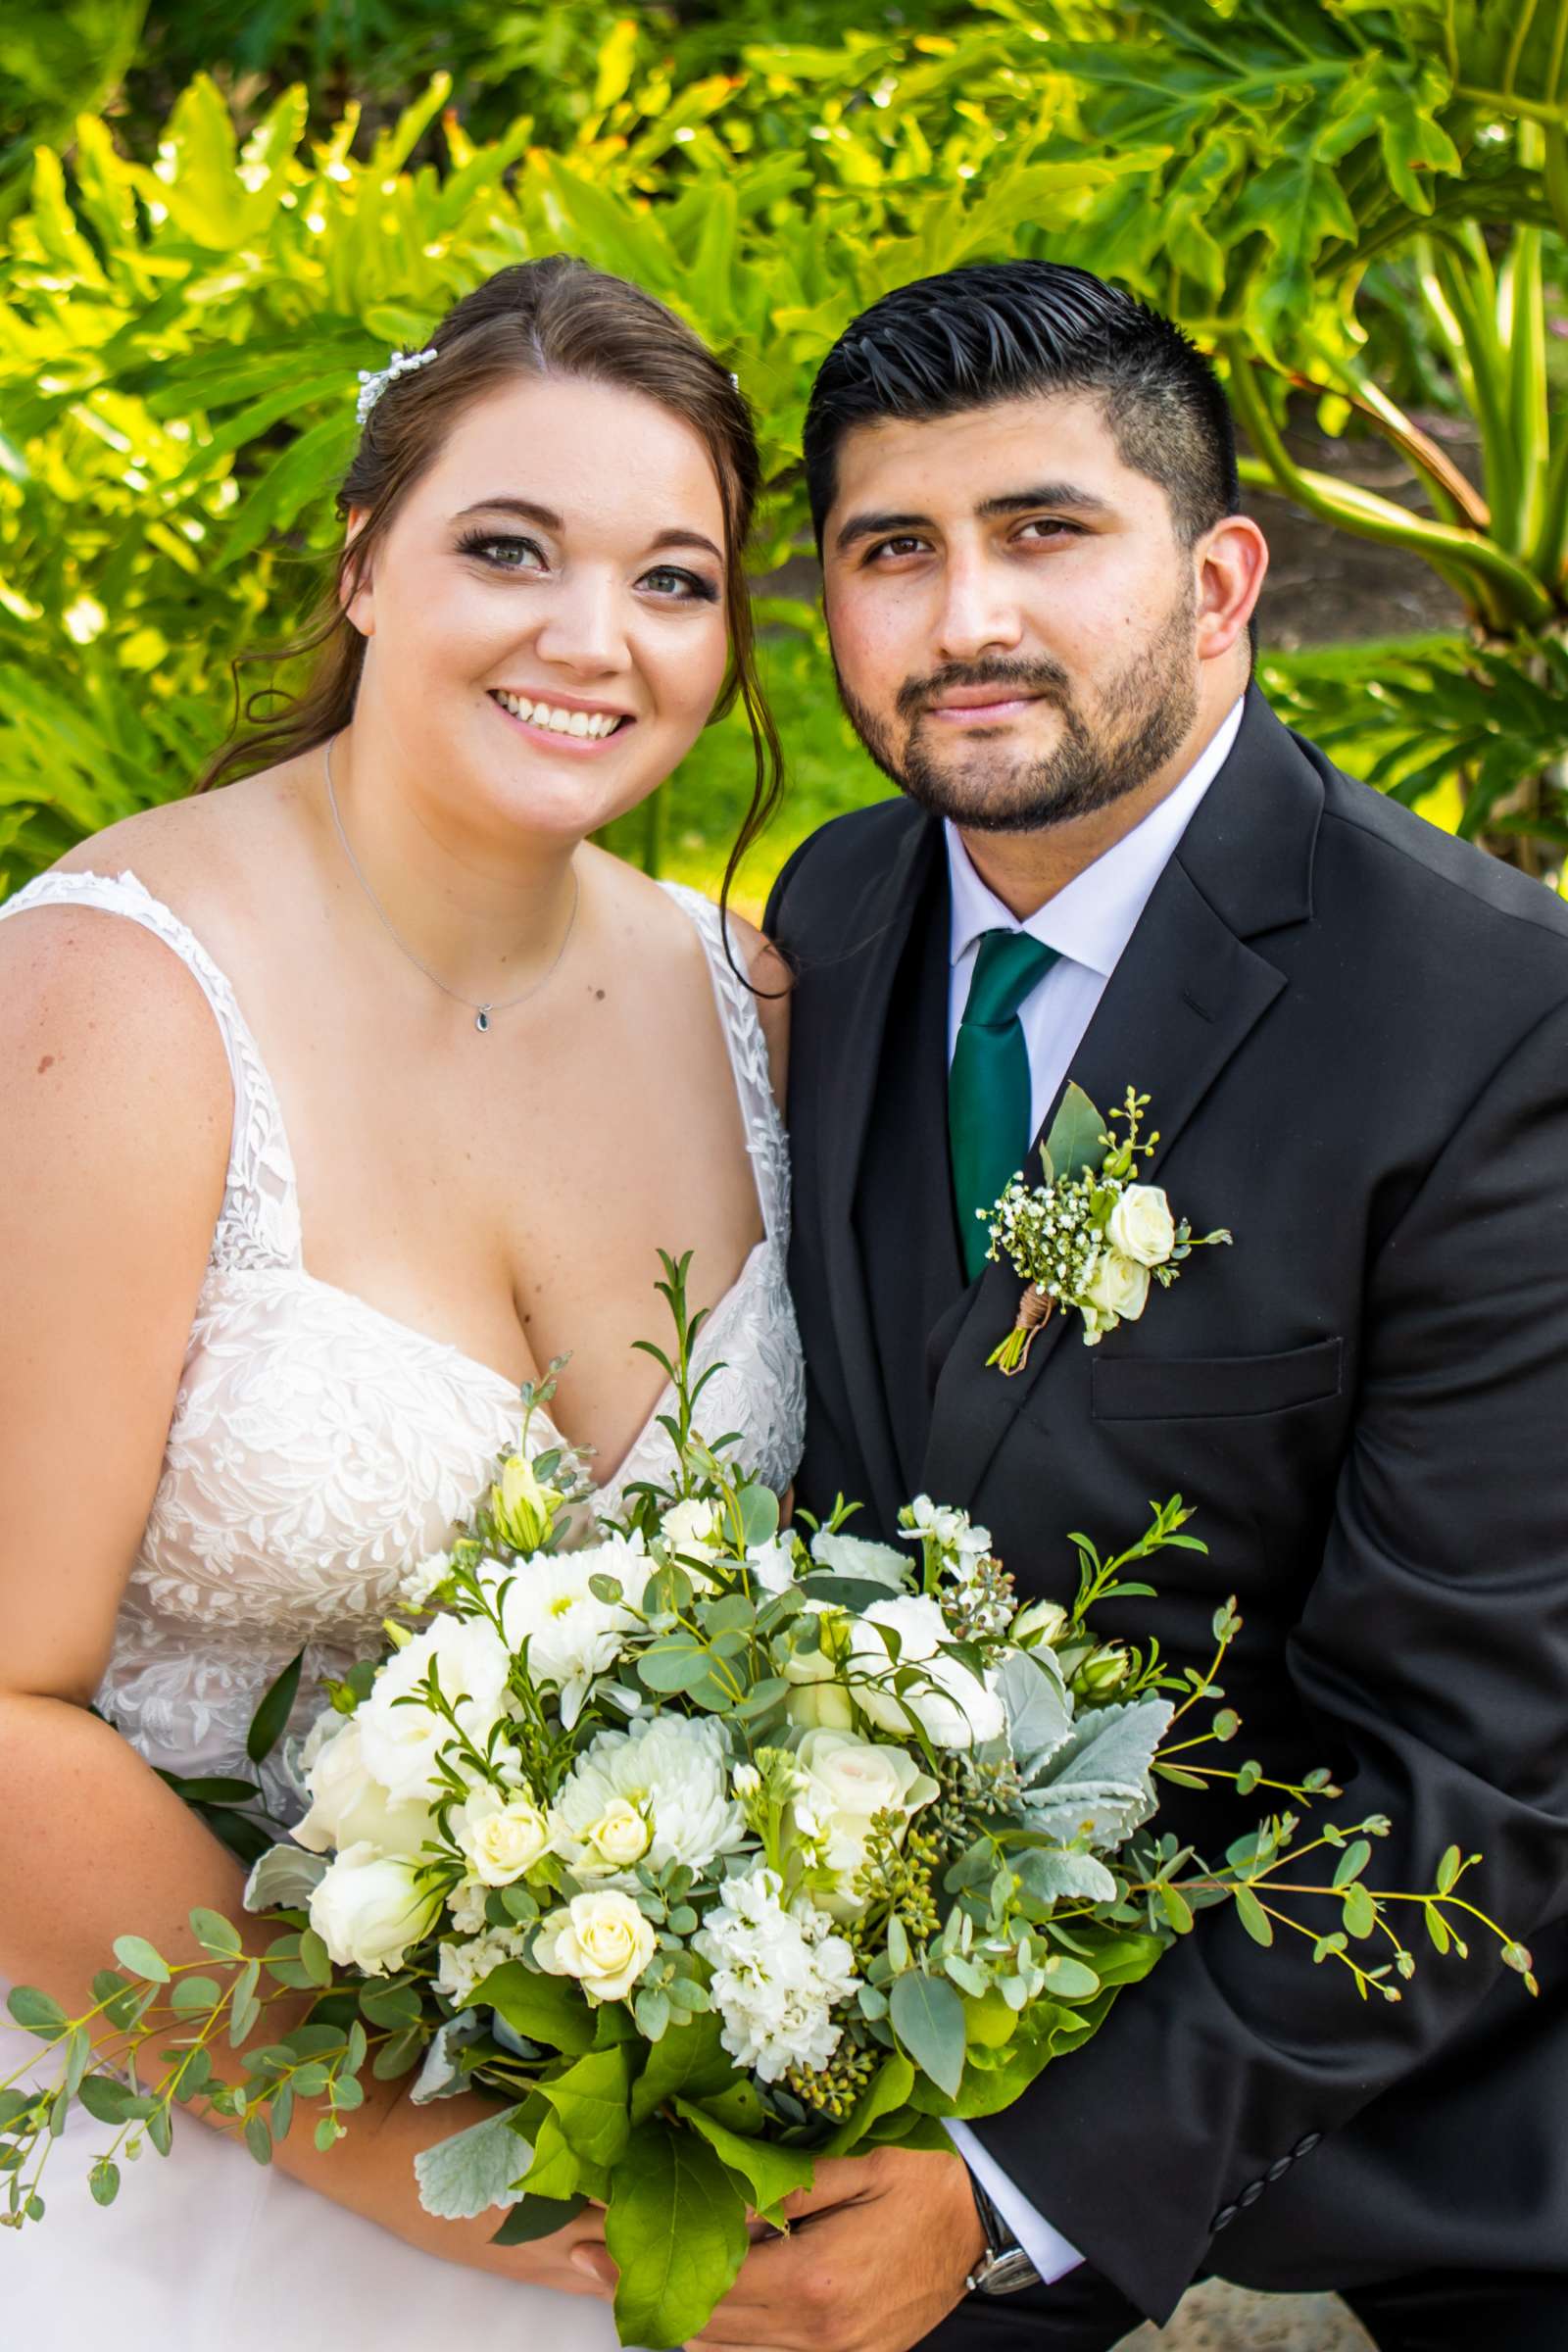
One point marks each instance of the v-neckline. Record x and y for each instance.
(288, 1170)
(503, 1380)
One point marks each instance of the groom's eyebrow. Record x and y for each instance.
(990, 510)
(1044, 494)
(877, 527)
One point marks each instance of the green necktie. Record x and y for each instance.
(988, 1085)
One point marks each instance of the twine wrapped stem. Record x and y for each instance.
(1034, 1313)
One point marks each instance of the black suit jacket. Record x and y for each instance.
(1354, 1031)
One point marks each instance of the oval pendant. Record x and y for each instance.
(481, 1019)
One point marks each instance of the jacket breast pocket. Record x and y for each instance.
(1209, 1387)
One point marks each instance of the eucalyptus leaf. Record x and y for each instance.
(928, 2020)
(1075, 1141)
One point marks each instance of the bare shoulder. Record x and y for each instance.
(189, 853)
(114, 1020)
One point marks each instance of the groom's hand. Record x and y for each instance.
(878, 2253)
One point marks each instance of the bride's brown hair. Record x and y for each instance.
(552, 317)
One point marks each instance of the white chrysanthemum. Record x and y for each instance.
(423, 1576)
(572, 1636)
(778, 1975)
(952, 1706)
(462, 1966)
(672, 1770)
(400, 1736)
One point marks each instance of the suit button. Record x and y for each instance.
(1277, 2172)
(1251, 2193)
(1224, 2218)
(1304, 2147)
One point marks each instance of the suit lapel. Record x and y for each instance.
(1187, 993)
(879, 939)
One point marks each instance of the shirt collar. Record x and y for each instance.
(1091, 920)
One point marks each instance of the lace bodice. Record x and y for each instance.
(319, 1446)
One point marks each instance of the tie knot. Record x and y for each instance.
(1009, 964)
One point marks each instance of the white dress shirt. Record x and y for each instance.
(1088, 923)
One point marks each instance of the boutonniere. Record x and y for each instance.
(1090, 1237)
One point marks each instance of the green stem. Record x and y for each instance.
(1497, 583)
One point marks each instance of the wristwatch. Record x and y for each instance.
(1003, 2267)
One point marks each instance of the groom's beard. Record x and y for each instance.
(992, 786)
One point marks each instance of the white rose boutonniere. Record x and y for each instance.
(1088, 1238)
(1141, 1225)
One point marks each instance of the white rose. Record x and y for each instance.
(848, 1780)
(572, 1636)
(1041, 1621)
(817, 1699)
(368, 1908)
(1117, 1287)
(954, 1707)
(400, 1736)
(349, 1807)
(692, 1526)
(772, 1565)
(853, 1555)
(602, 1939)
(500, 1837)
(1141, 1225)
(620, 1836)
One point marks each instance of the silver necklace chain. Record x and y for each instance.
(482, 1013)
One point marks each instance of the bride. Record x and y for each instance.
(337, 1104)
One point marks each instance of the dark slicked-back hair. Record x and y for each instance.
(1006, 330)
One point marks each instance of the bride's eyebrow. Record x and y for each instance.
(523, 506)
(685, 538)
(549, 520)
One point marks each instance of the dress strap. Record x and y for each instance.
(258, 1224)
(765, 1139)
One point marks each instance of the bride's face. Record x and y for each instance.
(545, 616)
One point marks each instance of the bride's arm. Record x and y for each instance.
(115, 1112)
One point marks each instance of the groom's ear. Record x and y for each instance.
(356, 586)
(1231, 560)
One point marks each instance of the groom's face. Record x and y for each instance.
(1011, 610)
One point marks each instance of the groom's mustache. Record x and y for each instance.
(1042, 677)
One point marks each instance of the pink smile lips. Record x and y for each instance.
(572, 722)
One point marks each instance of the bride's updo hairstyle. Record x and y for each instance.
(555, 317)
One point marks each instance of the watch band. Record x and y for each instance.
(1004, 2267)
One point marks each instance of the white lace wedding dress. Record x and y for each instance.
(318, 1447)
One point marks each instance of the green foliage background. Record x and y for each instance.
(214, 215)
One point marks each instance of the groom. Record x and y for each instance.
(1108, 859)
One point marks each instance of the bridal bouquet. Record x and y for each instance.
(706, 1848)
